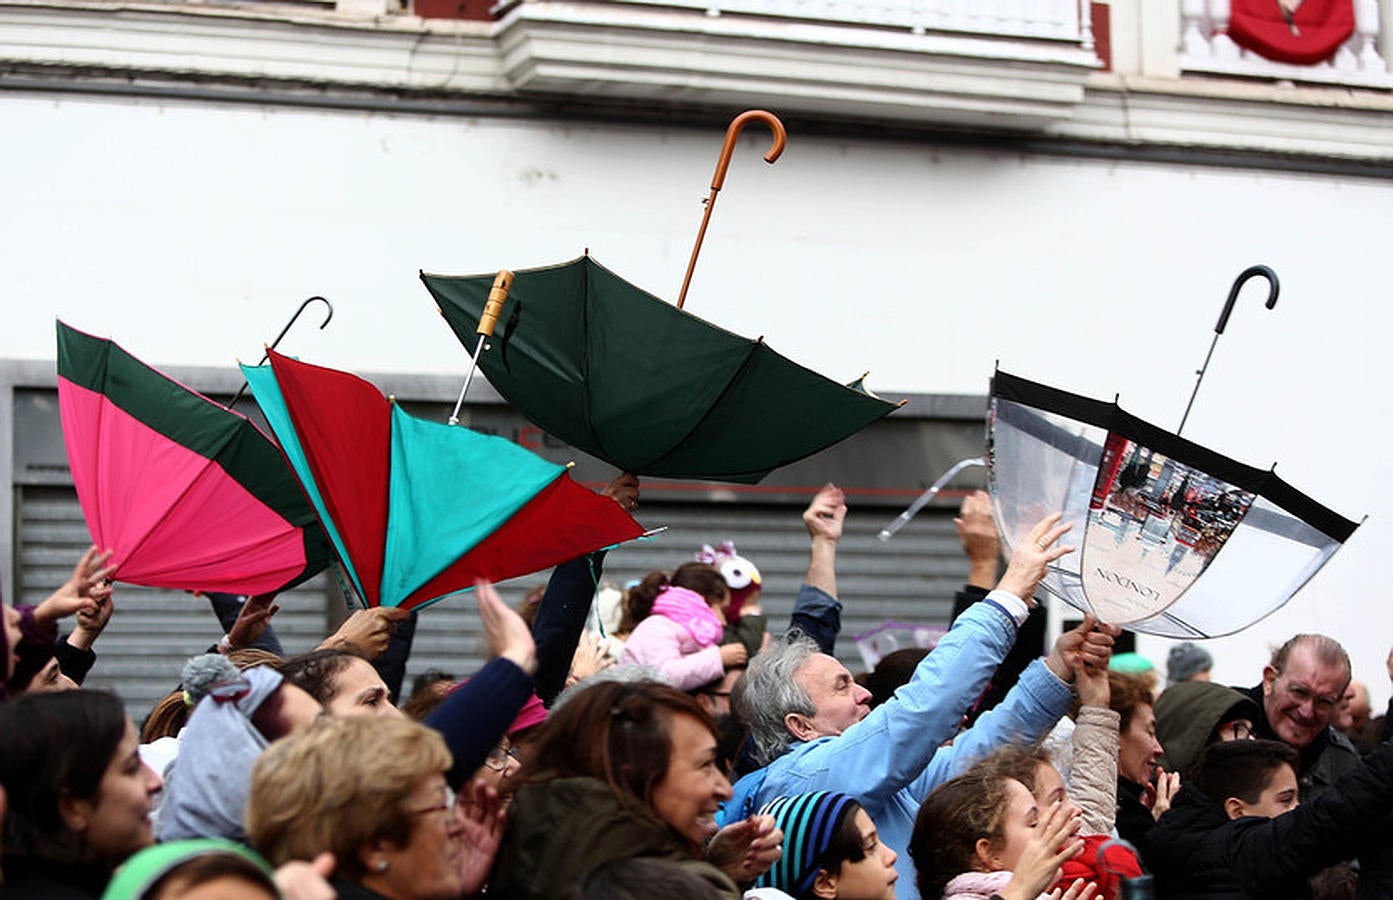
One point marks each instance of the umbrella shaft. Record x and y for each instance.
(696, 248)
(473, 366)
(1199, 378)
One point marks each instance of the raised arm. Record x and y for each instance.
(476, 715)
(823, 518)
(980, 541)
(74, 652)
(894, 745)
(1093, 780)
(817, 612)
(1032, 707)
(566, 603)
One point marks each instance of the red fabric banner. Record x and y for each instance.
(1309, 34)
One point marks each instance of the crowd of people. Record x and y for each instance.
(693, 749)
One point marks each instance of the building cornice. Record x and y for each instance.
(598, 60)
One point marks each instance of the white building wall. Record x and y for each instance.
(189, 232)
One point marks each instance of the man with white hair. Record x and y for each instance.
(813, 729)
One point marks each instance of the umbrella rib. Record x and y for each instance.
(711, 407)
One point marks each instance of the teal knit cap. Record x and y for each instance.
(808, 821)
(143, 870)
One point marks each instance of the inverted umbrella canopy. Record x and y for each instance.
(187, 494)
(416, 509)
(1173, 539)
(618, 373)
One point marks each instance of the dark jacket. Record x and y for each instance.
(1134, 818)
(559, 830)
(27, 878)
(1322, 761)
(347, 890)
(1195, 851)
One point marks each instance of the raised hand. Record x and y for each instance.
(82, 590)
(1086, 647)
(508, 635)
(252, 620)
(1032, 557)
(1053, 842)
(368, 630)
(979, 538)
(1079, 890)
(589, 657)
(746, 849)
(624, 491)
(91, 621)
(1167, 786)
(482, 821)
(826, 513)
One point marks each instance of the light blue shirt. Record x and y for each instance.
(892, 758)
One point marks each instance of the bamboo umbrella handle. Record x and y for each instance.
(719, 180)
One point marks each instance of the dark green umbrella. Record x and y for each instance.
(652, 389)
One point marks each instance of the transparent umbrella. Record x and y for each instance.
(1174, 539)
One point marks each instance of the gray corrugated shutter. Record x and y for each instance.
(152, 632)
(909, 579)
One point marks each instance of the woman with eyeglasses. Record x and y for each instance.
(502, 764)
(372, 792)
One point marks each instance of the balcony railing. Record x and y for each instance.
(1058, 20)
(1205, 48)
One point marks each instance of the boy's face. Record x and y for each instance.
(1279, 795)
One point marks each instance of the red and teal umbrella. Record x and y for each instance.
(185, 493)
(417, 509)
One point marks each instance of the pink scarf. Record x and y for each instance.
(690, 610)
(978, 886)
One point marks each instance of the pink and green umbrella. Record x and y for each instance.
(186, 493)
(418, 509)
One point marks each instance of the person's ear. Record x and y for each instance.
(1269, 675)
(986, 857)
(825, 885)
(75, 813)
(373, 857)
(799, 726)
(1235, 808)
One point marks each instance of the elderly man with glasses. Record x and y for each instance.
(1300, 691)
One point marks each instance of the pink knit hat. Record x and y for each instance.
(532, 713)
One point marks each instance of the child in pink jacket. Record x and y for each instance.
(680, 627)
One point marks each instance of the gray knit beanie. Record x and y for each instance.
(1185, 661)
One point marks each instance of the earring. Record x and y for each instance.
(380, 866)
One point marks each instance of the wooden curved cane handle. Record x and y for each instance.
(733, 135)
(497, 294)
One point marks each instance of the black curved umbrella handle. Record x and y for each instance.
(288, 325)
(1243, 278)
(1273, 288)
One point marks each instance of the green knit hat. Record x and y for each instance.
(144, 869)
